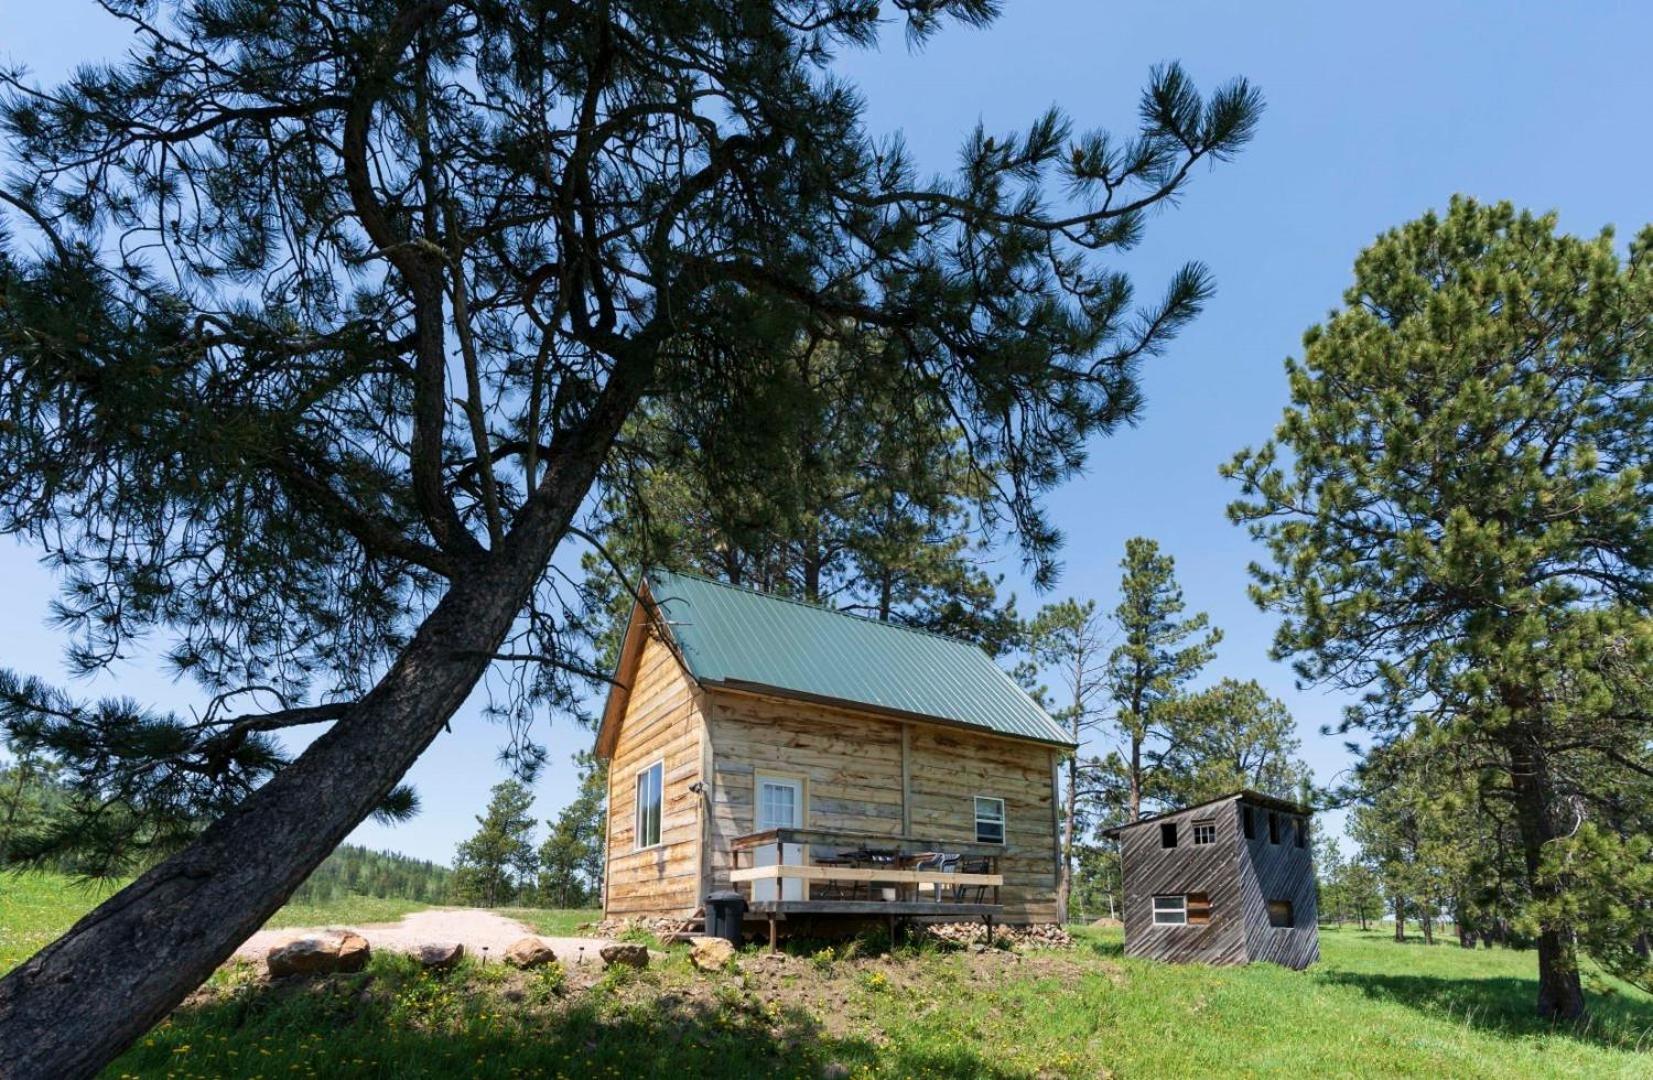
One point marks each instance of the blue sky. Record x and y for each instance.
(1375, 114)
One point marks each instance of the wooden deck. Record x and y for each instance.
(893, 865)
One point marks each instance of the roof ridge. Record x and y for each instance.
(750, 591)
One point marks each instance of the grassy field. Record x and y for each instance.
(1371, 1007)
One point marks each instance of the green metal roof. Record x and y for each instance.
(733, 636)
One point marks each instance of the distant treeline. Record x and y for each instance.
(353, 870)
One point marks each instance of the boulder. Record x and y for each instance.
(627, 953)
(530, 952)
(711, 953)
(439, 957)
(354, 952)
(318, 955)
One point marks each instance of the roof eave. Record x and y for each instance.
(746, 687)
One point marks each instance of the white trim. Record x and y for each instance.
(1004, 819)
(637, 806)
(1179, 908)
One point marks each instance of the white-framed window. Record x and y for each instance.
(650, 801)
(779, 803)
(989, 820)
(1171, 910)
(1205, 832)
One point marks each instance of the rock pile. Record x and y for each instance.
(1039, 936)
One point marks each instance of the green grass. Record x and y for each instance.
(343, 911)
(555, 922)
(1371, 1007)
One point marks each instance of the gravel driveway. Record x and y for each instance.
(475, 929)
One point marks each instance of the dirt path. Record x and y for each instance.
(476, 930)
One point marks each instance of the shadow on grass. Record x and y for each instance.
(395, 1022)
(1505, 1005)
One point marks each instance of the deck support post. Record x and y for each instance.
(988, 919)
(773, 936)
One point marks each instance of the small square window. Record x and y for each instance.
(1249, 820)
(1205, 832)
(989, 820)
(1279, 913)
(1170, 911)
(1168, 835)
(1273, 827)
(1199, 908)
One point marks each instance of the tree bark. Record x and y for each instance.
(1560, 990)
(1400, 918)
(80, 1001)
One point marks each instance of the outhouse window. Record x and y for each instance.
(1168, 834)
(1171, 910)
(989, 820)
(1273, 827)
(649, 789)
(1303, 832)
(1205, 832)
(1199, 908)
(1279, 913)
(1249, 820)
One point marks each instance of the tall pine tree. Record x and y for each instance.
(1458, 506)
(321, 325)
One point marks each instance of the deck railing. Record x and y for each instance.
(857, 866)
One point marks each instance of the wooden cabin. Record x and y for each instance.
(822, 764)
(1228, 881)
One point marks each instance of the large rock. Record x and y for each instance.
(439, 957)
(354, 952)
(711, 953)
(318, 955)
(626, 953)
(530, 952)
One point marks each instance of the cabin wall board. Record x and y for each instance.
(662, 722)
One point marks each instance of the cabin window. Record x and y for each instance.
(650, 783)
(1279, 913)
(989, 820)
(1302, 832)
(1205, 832)
(1168, 834)
(1171, 910)
(1273, 827)
(1199, 909)
(1249, 820)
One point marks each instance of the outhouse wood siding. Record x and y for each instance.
(1151, 870)
(1280, 871)
(662, 722)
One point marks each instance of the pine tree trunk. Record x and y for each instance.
(1560, 991)
(1400, 918)
(1136, 779)
(76, 1004)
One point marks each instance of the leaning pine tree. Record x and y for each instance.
(1459, 507)
(318, 323)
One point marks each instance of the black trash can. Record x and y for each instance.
(724, 913)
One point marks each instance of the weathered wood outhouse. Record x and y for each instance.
(823, 764)
(1229, 881)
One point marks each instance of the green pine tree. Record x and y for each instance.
(496, 863)
(1458, 506)
(1161, 651)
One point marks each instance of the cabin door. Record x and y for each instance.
(780, 806)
